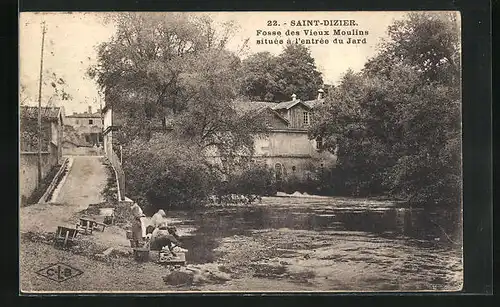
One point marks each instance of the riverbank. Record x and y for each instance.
(268, 261)
(278, 245)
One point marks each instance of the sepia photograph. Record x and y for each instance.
(240, 152)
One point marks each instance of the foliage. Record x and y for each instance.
(110, 191)
(259, 79)
(396, 125)
(160, 73)
(28, 135)
(266, 77)
(166, 173)
(73, 135)
(253, 180)
(155, 67)
(54, 87)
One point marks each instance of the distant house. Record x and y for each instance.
(52, 135)
(287, 147)
(88, 125)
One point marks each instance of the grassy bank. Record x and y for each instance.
(110, 191)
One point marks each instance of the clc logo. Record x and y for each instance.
(59, 272)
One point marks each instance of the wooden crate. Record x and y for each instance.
(65, 235)
(141, 254)
(168, 258)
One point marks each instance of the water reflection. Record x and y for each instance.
(389, 222)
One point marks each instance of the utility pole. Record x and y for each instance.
(102, 126)
(40, 110)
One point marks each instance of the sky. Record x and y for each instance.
(71, 40)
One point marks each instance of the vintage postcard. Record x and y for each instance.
(240, 152)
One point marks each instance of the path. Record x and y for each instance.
(86, 179)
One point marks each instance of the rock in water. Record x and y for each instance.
(220, 276)
(178, 278)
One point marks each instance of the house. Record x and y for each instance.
(112, 148)
(287, 147)
(88, 125)
(52, 134)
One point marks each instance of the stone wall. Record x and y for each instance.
(293, 150)
(28, 170)
(72, 150)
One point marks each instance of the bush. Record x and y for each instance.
(164, 173)
(251, 182)
(309, 184)
(255, 180)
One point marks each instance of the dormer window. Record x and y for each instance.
(306, 118)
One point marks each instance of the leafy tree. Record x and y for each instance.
(297, 74)
(166, 173)
(396, 125)
(275, 78)
(157, 67)
(259, 80)
(172, 73)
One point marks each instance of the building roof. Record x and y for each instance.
(311, 104)
(48, 113)
(243, 107)
(255, 107)
(286, 104)
(314, 103)
(247, 106)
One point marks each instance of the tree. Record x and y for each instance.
(166, 173)
(396, 124)
(259, 79)
(174, 66)
(297, 74)
(276, 78)
(172, 73)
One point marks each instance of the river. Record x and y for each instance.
(328, 243)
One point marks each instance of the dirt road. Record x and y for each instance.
(86, 179)
(85, 182)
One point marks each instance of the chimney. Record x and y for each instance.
(320, 93)
(294, 97)
(90, 109)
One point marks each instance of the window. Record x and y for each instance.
(294, 168)
(77, 122)
(91, 122)
(102, 121)
(306, 118)
(319, 142)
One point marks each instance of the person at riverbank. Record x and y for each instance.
(158, 218)
(163, 235)
(138, 224)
